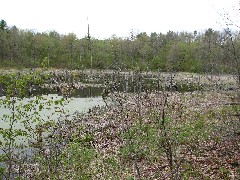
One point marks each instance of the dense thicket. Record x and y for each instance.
(211, 51)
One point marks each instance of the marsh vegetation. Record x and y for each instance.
(149, 125)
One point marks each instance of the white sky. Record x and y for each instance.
(108, 17)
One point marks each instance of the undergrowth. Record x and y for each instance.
(140, 135)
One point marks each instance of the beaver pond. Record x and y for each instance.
(128, 108)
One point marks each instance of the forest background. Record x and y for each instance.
(198, 52)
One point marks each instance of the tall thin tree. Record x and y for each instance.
(90, 47)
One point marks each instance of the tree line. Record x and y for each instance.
(206, 51)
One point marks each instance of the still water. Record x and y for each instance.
(82, 101)
(70, 106)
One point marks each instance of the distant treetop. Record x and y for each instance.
(3, 24)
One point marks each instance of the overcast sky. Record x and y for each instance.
(108, 17)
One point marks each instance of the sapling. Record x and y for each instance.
(21, 117)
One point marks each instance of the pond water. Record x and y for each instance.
(70, 106)
(81, 101)
(84, 98)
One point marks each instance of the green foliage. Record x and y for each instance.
(225, 174)
(193, 131)
(182, 51)
(158, 63)
(45, 63)
(78, 160)
(3, 24)
(139, 143)
(143, 142)
(22, 118)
